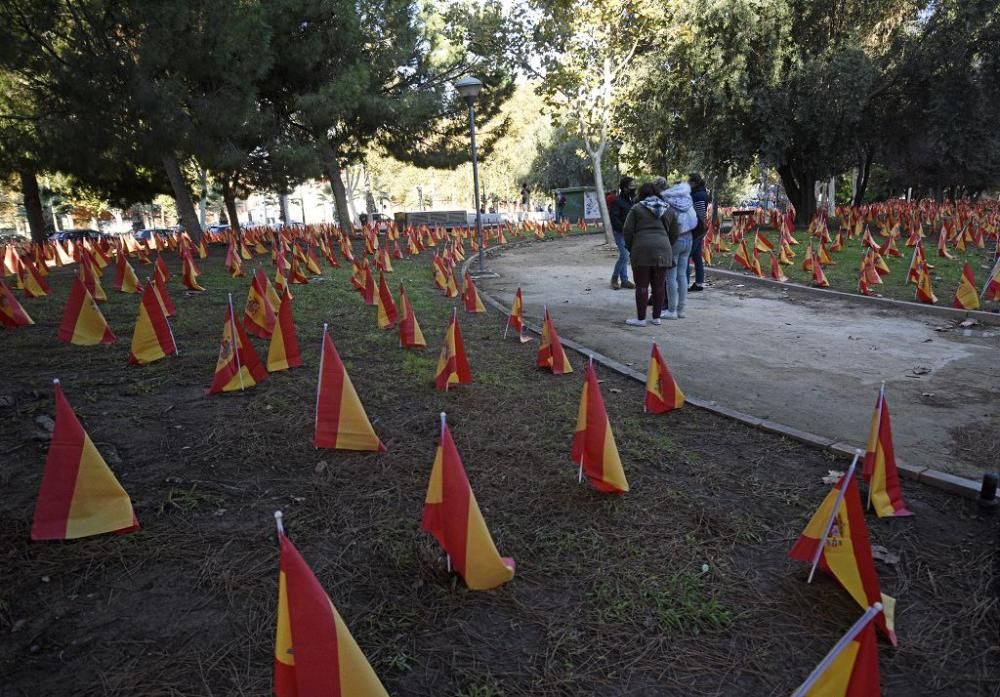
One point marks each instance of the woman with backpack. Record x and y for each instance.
(650, 229)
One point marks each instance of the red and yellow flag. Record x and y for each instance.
(966, 297)
(259, 315)
(851, 673)
(847, 555)
(161, 270)
(992, 290)
(341, 421)
(12, 315)
(453, 366)
(451, 285)
(742, 256)
(594, 448)
(79, 495)
(152, 338)
(125, 279)
(808, 259)
(452, 516)
(314, 652)
(551, 354)
(190, 274)
(410, 335)
(777, 273)
(386, 313)
(880, 464)
(924, 292)
(662, 392)
(762, 244)
(516, 318)
(470, 296)
(92, 281)
(283, 353)
(33, 282)
(164, 297)
(238, 366)
(819, 278)
(82, 322)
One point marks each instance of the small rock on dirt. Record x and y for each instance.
(320, 467)
(45, 422)
(884, 555)
(6, 400)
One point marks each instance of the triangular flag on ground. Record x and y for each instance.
(850, 669)
(314, 652)
(386, 313)
(341, 421)
(410, 335)
(125, 279)
(258, 316)
(12, 315)
(742, 256)
(819, 278)
(82, 322)
(92, 281)
(452, 516)
(777, 273)
(551, 354)
(283, 353)
(238, 366)
(992, 289)
(33, 282)
(924, 292)
(190, 275)
(846, 554)
(164, 297)
(152, 338)
(880, 464)
(470, 296)
(161, 270)
(662, 393)
(79, 495)
(966, 297)
(594, 449)
(516, 318)
(453, 366)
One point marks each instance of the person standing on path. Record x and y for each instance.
(699, 196)
(649, 229)
(618, 211)
(560, 206)
(678, 198)
(525, 197)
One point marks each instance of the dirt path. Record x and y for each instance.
(809, 364)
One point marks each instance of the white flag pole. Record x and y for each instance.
(444, 425)
(878, 429)
(319, 379)
(278, 515)
(236, 341)
(833, 514)
(837, 649)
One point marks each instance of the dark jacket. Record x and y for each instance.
(649, 239)
(618, 211)
(699, 195)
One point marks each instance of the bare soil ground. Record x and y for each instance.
(610, 597)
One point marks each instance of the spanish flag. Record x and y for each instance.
(410, 335)
(762, 244)
(777, 273)
(164, 297)
(368, 287)
(819, 278)
(191, 273)
(258, 315)
(161, 270)
(82, 322)
(850, 669)
(924, 292)
(283, 353)
(742, 256)
(451, 285)
(79, 495)
(12, 315)
(992, 290)
(33, 282)
(452, 516)
(341, 422)
(314, 652)
(880, 464)
(453, 366)
(238, 366)
(942, 249)
(550, 353)
(516, 318)
(92, 282)
(847, 555)
(808, 260)
(152, 339)
(470, 296)
(125, 279)
(662, 393)
(966, 297)
(386, 309)
(594, 448)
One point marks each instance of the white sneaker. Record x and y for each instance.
(667, 314)
(632, 322)
(680, 314)
(656, 321)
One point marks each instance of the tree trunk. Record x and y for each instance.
(185, 208)
(865, 167)
(283, 203)
(328, 157)
(602, 203)
(229, 197)
(203, 201)
(799, 188)
(370, 204)
(33, 206)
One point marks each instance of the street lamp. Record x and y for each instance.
(469, 87)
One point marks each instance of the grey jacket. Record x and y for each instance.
(649, 235)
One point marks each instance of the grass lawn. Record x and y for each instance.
(843, 274)
(682, 586)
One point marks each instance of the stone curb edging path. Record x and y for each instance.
(960, 486)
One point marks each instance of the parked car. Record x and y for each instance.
(143, 235)
(217, 228)
(76, 234)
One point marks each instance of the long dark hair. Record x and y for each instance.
(647, 190)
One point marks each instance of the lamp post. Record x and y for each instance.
(469, 87)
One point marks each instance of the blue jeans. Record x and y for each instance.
(677, 287)
(621, 266)
(699, 263)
